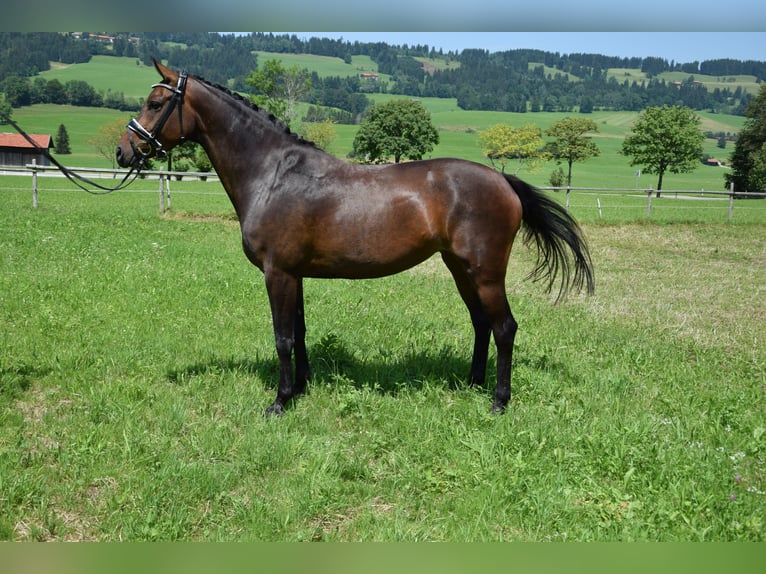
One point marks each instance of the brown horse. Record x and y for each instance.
(304, 213)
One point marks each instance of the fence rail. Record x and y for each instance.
(650, 193)
(164, 177)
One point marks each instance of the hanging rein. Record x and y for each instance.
(146, 148)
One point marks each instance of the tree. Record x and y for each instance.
(747, 160)
(81, 93)
(321, 133)
(398, 129)
(296, 85)
(571, 143)
(106, 138)
(62, 141)
(6, 110)
(55, 92)
(502, 143)
(278, 89)
(665, 139)
(201, 160)
(757, 176)
(17, 91)
(186, 155)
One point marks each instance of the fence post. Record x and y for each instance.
(567, 200)
(162, 194)
(649, 203)
(731, 200)
(34, 183)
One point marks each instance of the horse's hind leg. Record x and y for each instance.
(504, 329)
(302, 371)
(481, 323)
(484, 294)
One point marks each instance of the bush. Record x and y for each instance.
(558, 177)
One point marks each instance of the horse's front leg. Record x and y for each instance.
(284, 291)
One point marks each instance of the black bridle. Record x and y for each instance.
(150, 146)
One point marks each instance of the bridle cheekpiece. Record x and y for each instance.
(150, 145)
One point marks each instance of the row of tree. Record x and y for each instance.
(514, 80)
(21, 91)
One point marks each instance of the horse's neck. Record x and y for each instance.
(238, 141)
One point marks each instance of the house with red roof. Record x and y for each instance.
(15, 150)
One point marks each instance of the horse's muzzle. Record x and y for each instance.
(122, 159)
(131, 156)
(142, 147)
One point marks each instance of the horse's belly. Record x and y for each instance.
(367, 264)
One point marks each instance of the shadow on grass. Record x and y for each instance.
(333, 362)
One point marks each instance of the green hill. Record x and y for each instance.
(108, 73)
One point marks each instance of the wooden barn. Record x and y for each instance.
(15, 150)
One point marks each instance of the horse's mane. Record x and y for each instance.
(279, 124)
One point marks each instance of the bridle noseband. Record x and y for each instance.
(149, 145)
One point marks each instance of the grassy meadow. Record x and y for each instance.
(126, 75)
(137, 357)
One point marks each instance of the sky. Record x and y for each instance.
(570, 23)
(680, 47)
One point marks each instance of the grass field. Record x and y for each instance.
(126, 75)
(136, 358)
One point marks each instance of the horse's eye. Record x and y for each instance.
(154, 105)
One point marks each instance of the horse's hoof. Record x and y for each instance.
(498, 409)
(275, 410)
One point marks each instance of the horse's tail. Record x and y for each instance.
(553, 230)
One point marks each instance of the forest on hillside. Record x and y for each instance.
(513, 80)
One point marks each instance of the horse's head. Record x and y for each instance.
(159, 126)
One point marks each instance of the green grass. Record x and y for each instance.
(136, 358)
(126, 75)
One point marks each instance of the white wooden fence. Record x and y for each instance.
(165, 177)
(649, 193)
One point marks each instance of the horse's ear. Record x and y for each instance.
(163, 71)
